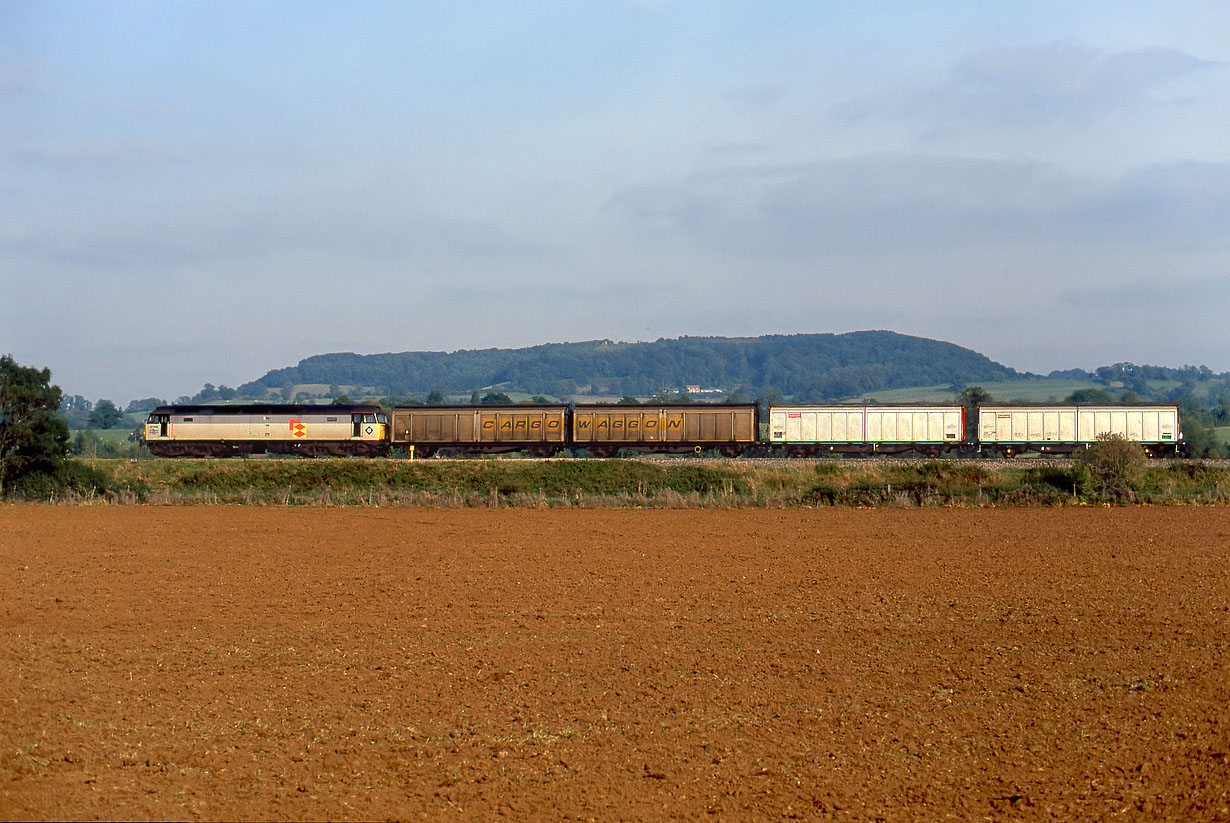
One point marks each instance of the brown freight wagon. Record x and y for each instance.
(538, 430)
(604, 429)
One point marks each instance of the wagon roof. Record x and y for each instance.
(697, 406)
(265, 408)
(860, 406)
(1086, 406)
(484, 407)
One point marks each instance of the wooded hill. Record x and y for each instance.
(801, 366)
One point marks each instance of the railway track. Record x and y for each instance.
(989, 462)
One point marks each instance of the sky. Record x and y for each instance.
(197, 192)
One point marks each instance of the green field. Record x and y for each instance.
(1040, 390)
(1028, 390)
(106, 435)
(105, 443)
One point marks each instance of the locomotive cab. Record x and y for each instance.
(369, 425)
(157, 426)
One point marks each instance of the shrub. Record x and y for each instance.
(1115, 466)
(1073, 479)
(69, 480)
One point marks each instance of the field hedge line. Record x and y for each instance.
(637, 482)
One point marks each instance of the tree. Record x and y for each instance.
(1200, 438)
(1221, 412)
(33, 436)
(1198, 427)
(970, 397)
(253, 390)
(75, 403)
(207, 394)
(1089, 396)
(77, 411)
(87, 443)
(496, 398)
(145, 405)
(667, 396)
(973, 395)
(768, 398)
(90, 444)
(436, 398)
(105, 415)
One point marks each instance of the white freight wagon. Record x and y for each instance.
(1062, 429)
(804, 430)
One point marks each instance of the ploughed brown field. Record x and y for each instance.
(898, 664)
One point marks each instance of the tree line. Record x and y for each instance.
(804, 366)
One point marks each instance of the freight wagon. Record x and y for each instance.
(1063, 429)
(603, 429)
(539, 430)
(803, 431)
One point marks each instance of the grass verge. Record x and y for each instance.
(632, 483)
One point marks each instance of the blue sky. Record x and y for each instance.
(199, 192)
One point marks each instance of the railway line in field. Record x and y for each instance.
(606, 430)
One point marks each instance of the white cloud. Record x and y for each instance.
(923, 204)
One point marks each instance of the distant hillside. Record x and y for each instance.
(802, 366)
